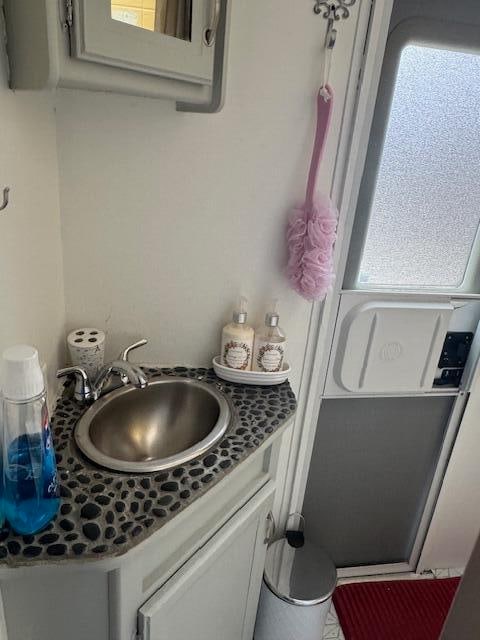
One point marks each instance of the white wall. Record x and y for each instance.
(31, 280)
(167, 217)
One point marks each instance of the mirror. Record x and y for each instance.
(170, 17)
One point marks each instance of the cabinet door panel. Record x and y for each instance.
(213, 595)
(99, 38)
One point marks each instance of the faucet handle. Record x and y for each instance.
(83, 386)
(126, 352)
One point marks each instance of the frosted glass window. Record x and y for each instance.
(425, 208)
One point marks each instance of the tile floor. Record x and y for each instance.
(332, 626)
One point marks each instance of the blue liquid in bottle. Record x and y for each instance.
(30, 483)
(30, 488)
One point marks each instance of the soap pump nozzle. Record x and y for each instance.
(272, 318)
(240, 314)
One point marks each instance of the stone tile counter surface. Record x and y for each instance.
(105, 513)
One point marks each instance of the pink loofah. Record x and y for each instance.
(311, 235)
(312, 228)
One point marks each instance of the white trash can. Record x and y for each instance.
(297, 589)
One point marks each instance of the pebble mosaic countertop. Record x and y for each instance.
(105, 513)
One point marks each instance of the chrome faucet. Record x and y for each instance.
(86, 391)
(129, 373)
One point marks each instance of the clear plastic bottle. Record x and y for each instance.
(270, 344)
(31, 497)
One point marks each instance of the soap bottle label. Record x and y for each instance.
(268, 356)
(236, 355)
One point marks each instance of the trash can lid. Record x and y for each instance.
(303, 576)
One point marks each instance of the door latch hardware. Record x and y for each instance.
(270, 528)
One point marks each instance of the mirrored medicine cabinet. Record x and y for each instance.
(158, 48)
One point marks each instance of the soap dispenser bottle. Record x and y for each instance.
(31, 497)
(237, 340)
(270, 344)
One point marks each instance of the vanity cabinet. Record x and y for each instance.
(199, 576)
(215, 594)
(158, 48)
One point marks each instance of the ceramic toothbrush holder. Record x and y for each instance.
(87, 349)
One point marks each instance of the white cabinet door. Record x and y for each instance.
(98, 37)
(215, 594)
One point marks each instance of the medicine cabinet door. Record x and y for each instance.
(168, 38)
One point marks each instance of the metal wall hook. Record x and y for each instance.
(4, 205)
(336, 9)
(331, 35)
(333, 11)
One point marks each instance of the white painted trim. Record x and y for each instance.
(442, 392)
(366, 65)
(414, 293)
(373, 570)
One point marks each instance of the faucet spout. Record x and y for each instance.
(133, 373)
(86, 392)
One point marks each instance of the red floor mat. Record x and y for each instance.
(394, 610)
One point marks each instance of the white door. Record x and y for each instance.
(404, 337)
(215, 594)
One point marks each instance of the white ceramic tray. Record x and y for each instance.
(250, 377)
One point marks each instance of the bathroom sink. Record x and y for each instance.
(171, 421)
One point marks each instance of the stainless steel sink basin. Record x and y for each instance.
(168, 423)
